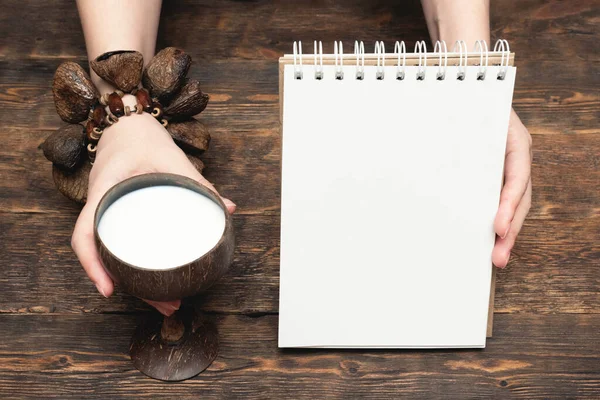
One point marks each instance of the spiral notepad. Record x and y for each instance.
(392, 165)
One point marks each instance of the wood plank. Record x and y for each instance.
(62, 339)
(530, 357)
(251, 30)
(244, 95)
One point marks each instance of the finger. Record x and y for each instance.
(517, 173)
(194, 174)
(503, 246)
(229, 204)
(165, 307)
(84, 246)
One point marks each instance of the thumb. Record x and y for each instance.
(228, 203)
(191, 172)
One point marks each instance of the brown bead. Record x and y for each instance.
(89, 130)
(143, 97)
(115, 104)
(96, 133)
(99, 115)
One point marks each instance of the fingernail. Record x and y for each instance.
(101, 290)
(161, 309)
(172, 307)
(230, 205)
(505, 233)
(507, 259)
(167, 311)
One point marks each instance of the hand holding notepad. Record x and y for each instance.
(391, 174)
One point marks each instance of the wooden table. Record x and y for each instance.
(60, 338)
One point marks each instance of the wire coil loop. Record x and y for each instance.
(400, 50)
(421, 50)
(441, 48)
(482, 47)
(461, 46)
(380, 52)
(338, 50)
(319, 66)
(502, 46)
(359, 52)
(298, 60)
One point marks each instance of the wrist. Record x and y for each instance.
(135, 129)
(101, 84)
(450, 21)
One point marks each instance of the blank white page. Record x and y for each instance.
(389, 193)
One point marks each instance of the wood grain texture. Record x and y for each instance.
(554, 266)
(62, 339)
(530, 357)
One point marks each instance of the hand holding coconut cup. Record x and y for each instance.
(174, 99)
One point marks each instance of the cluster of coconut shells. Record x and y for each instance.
(75, 97)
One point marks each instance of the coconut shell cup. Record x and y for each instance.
(166, 284)
(184, 344)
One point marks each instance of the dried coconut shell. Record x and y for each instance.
(165, 73)
(122, 68)
(73, 184)
(189, 101)
(196, 162)
(65, 147)
(191, 135)
(74, 92)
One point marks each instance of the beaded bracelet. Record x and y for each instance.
(165, 93)
(99, 118)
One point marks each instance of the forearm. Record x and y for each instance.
(110, 25)
(453, 20)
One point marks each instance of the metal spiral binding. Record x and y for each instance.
(400, 50)
(440, 52)
(482, 47)
(380, 51)
(441, 75)
(421, 50)
(502, 45)
(359, 52)
(318, 67)
(339, 68)
(462, 59)
(298, 56)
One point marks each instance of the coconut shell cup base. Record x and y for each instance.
(190, 347)
(185, 344)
